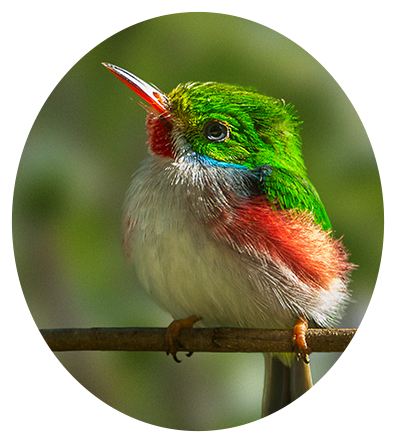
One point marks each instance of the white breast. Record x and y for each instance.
(188, 272)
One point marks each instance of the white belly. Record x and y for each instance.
(187, 271)
(188, 274)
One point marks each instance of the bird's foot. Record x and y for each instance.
(299, 340)
(172, 337)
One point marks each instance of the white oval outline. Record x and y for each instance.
(380, 265)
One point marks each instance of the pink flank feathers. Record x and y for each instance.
(292, 239)
(128, 227)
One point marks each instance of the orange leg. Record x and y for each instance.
(173, 331)
(299, 339)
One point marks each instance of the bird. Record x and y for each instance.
(224, 227)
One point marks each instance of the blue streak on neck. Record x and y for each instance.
(207, 161)
(261, 173)
(254, 179)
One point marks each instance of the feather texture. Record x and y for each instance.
(198, 251)
(222, 222)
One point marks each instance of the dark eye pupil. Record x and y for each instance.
(216, 131)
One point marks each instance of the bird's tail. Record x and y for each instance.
(286, 379)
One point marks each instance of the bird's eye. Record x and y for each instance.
(216, 131)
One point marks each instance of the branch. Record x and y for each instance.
(221, 340)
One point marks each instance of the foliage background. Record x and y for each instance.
(76, 166)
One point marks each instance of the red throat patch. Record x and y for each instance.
(159, 134)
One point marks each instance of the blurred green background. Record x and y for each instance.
(85, 144)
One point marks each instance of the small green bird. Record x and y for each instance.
(224, 226)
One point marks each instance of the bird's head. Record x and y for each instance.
(221, 123)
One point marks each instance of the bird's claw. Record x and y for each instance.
(299, 342)
(172, 336)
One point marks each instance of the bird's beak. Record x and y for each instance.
(157, 99)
